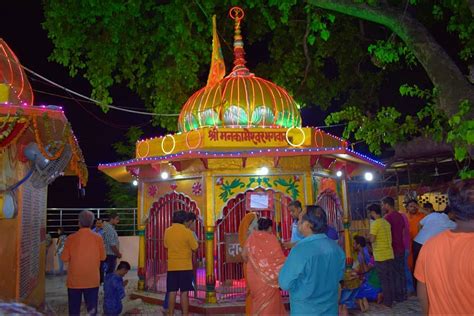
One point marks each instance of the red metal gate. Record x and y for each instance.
(160, 218)
(330, 202)
(229, 276)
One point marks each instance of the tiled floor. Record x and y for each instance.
(56, 301)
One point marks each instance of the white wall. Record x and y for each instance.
(128, 248)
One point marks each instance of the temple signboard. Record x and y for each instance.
(251, 137)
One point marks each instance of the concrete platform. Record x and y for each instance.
(195, 306)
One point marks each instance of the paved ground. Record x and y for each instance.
(56, 298)
(409, 307)
(56, 301)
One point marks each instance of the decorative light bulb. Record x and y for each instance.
(262, 171)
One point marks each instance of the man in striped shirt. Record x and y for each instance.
(111, 242)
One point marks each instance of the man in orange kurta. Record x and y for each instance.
(414, 218)
(83, 251)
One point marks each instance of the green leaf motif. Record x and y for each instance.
(290, 187)
(251, 181)
(227, 189)
(259, 181)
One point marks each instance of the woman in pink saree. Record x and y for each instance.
(264, 258)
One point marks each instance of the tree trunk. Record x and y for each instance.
(441, 69)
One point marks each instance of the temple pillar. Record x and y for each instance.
(141, 226)
(346, 221)
(211, 297)
(141, 258)
(308, 198)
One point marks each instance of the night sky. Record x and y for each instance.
(96, 131)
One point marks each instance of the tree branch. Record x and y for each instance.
(441, 69)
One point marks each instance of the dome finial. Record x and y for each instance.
(237, 14)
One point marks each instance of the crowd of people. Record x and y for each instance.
(426, 248)
(422, 249)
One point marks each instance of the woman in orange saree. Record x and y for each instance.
(247, 225)
(264, 258)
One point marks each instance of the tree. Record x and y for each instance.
(123, 194)
(335, 54)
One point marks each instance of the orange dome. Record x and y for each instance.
(16, 87)
(239, 100)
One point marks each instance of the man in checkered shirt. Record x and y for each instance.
(111, 242)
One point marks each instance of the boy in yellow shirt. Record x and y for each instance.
(381, 239)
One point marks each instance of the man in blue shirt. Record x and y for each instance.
(295, 210)
(314, 268)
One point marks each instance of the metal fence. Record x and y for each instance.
(67, 218)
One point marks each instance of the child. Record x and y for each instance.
(114, 289)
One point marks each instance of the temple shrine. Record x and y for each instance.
(240, 148)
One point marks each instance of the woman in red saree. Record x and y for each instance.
(264, 258)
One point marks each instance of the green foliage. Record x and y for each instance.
(459, 22)
(415, 91)
(120, 194)
(385, 127)
(389, 52)
(388, 127)
(126, 150)
(319, 22)
(161, 51)
(124, 194)
(461, 134)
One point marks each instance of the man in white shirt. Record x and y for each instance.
(431, 225)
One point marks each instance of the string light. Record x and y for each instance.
(259, 152)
